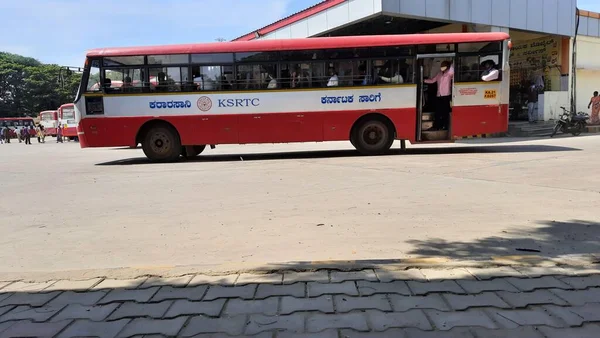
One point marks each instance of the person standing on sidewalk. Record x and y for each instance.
(595, 105)
(532, 102)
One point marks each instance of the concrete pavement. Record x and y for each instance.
(464, 302)
(92, 211)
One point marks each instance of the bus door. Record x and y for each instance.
(428, 66)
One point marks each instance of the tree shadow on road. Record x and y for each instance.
(552, 239)
(295, 155)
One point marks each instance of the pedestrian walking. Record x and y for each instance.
(7, 135)
(24, 132)
(42, 134)
(59, 135)
(1, 135)
(28, 133)
(595, 105)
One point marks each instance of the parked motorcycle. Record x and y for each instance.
(571, 123)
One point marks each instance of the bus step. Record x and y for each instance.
(428, 116)
(435, 135)
(425, 125)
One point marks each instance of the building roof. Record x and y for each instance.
(302, 44)
(303, 14)
(589, 14)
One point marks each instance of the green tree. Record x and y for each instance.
(27, 86)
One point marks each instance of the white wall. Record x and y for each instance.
(588, 81)
(588, 70)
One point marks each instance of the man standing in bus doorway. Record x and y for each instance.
(595, 105)
(444, 94)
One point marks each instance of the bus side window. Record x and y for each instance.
(168, 79)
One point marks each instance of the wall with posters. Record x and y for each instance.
(539, 57)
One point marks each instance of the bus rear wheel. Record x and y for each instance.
(162, 144)
(192, 151)
(373, 137)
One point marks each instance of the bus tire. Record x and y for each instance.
(161, 143)
(193, 151)
(373, 136)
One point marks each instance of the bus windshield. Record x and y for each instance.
(68, 113)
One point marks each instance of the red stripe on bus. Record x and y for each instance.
(281, 127)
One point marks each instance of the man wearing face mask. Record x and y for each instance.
(444, 94)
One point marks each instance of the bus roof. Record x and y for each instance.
(48, 111)
(67, 105)
(303, 44)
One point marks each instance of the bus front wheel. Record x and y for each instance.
(192, 151)
(162, 144)
(373, 137)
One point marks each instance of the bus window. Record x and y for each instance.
(124, 80)
(256, 76)
(93, 84)
(471, 68)
(119, 61)
(207, 77)
(168, 79)
(168, 59)
(213, 58)
(468, 69)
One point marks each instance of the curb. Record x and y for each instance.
(573, 261)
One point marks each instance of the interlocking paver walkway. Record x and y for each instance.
(491, 302)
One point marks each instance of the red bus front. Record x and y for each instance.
(49, 120)
(67, 121)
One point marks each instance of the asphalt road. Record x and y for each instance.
(64, 208)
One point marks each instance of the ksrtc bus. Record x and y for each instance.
(370, 90)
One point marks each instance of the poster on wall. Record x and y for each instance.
(532, 58)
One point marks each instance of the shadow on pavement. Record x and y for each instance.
(552, 239)
(353, 153)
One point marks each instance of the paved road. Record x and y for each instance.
(467, 303)
(64, 208)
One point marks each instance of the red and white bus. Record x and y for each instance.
(66, 116)
(49, 120)
(369, 90)
(15, 124)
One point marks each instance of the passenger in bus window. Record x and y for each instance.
(364, 78)
(272, 82)
(490, 73)
(396, 79)
(333, 80)
(162, 85)
(107, 84)
(127, 85)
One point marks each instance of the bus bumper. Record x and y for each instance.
(81, 135)
(71, 132)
